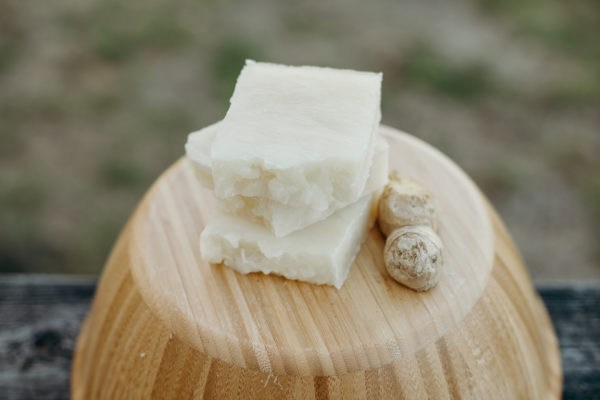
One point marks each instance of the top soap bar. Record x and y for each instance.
(302, 136)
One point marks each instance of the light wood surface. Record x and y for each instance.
(42, 316)
(164, 323)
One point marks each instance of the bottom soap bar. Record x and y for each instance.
(321, 253)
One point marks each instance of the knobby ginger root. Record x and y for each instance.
(405, 202)
(413, 257)
(413, 250)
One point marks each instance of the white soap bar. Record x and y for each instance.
(197, 149)
(321, 253)
(301, 136)
(282, 219)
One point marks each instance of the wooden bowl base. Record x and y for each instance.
(149, 336)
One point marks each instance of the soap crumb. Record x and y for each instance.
(142, 354)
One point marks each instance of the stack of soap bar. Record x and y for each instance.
(282, 219)
(320, 253)
(296, 166)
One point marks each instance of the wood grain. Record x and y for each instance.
(166, 324)
(281, 327)
(42, 316)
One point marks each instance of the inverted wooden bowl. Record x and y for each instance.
(166, 325)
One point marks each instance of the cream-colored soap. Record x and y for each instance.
(281, 219)
(197, 149)
(321, 253)
(300, 136)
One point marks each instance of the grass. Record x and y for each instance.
(120, 43)
(591, 193)
(22, 248)
(11, 38)
(168, 121)
(11, 137)
(113, 43)
(163, 31)
(100, 104)
(569, 158)
(97, 239)
(589, 188)
(8, 51)
(499, 180)
(103, 56)
(27, 252)
(579, 90)
(228, 60)
(48, 106)
(24, 196)
(577, 165)
(582, 170)
(571, 27)
(116, 32)
(121, 173)
(423, 67)
(298, 22)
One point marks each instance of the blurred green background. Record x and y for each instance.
(96, 99)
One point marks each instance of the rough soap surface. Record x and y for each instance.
(197, 149)
(282, 219)
(297, 135)
(321, 253)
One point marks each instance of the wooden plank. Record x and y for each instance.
(41, 315)
(575, 313)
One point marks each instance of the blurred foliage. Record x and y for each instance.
(592, 195)
(119, 43)
(570, 27)
(580, 165)
(229, 58)
(423, 67)
(96, 99)
(117, 32)
(499, 180)
(165, 121)
(121, 173)
(10, 36)
(581, 90)
(8, 49)
(23, 196)
(21, 245)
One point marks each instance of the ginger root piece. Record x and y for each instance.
(405, 202)
(413, 257)
(413, 250)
